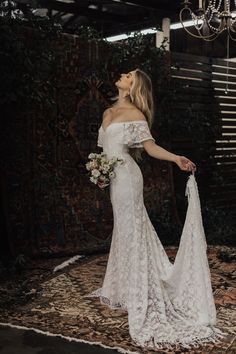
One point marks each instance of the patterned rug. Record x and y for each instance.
(53, 302)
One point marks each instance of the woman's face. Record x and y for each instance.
(125, 81)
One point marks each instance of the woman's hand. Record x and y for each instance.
(185, 164)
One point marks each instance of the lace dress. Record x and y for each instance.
(167, 304)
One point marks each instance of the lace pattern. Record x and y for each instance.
(100, 139)
(168, 304)
(135, 134)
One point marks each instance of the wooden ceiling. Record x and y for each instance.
(113, 17)
(110, 17)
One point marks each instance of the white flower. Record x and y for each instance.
(93, 164)
(91, 155)
(112, 174)
(88, 165)
(102, 168)
(106, 169)
(95, 173)
(94, 180)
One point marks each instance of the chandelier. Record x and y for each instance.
(210, 19)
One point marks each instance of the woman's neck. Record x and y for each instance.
(123, 100)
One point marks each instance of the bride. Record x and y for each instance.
(167, 304)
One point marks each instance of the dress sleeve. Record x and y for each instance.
(100, 138)
(135, 133)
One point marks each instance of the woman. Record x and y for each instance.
(161, 298)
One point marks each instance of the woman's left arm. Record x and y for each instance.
(160, 153)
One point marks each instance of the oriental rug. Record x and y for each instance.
(54, 302)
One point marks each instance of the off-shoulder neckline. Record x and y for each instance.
(124, 121)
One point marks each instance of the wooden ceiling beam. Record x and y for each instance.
(155, 5)
(75, 8)
(124, 16)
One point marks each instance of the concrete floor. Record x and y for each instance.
(18, 341)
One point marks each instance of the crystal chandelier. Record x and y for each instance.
(210, 19)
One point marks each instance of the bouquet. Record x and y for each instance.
(102, 169)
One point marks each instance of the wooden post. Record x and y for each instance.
(166, 31)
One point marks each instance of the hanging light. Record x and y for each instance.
(212, 17)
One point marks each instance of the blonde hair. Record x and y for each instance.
(141, 95)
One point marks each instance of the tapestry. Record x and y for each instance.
(52, 208)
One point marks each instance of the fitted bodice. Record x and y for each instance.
(112, 142)
(118, 137)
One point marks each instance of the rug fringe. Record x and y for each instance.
(70, 339)
(66, 263)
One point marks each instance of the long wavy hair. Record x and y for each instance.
(141, 95)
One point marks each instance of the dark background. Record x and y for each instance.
(54, 88)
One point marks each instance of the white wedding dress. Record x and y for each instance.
(167, 304)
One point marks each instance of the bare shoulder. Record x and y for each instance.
(123, 113)
(107, 112)
(132, 113)
(136, 114)
(107, 115)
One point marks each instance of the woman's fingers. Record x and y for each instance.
(185, 164)
(191, 166)
(188, 165)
